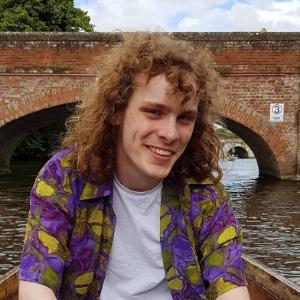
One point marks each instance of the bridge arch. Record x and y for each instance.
(259, 144)
(34, 117)
(49, 98)
(238, 151)
(272, 149)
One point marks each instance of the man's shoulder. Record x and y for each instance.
(61, 161)
(58, 170)
(65, 158)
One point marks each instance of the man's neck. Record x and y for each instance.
(137, 184)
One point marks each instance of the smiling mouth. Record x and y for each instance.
(160, 151)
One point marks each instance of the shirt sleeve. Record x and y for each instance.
(45, 251)
(220, 243)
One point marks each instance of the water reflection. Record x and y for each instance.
(269, 212)
(14, 190)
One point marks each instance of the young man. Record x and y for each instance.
(131, 207)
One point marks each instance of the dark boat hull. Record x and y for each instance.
(9, 285)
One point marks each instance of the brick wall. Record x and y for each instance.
(39, 71)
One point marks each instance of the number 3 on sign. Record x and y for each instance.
(276, 112)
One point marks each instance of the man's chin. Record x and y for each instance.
(160, 174)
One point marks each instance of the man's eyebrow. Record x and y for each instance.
(160, 106)
(155, 105)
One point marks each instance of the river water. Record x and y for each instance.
(268, 210)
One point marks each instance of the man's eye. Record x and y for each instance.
(153, 112)
(186, 118)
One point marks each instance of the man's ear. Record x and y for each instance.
(116, 119)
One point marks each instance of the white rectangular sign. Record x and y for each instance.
(276, 112)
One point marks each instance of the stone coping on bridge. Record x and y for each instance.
(117, 36)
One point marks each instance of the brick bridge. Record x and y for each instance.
(236, 148)
(42, 74)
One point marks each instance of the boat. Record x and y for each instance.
(263, 283)
(9, 284)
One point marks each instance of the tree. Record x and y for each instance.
(43, 15)
(39, 145)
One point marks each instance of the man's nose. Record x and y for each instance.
(169, 131)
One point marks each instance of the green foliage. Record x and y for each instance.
(60, 68)
(223, 69)
(225, 133)
(39, 145)
(40, 15)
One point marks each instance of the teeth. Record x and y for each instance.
(160, 151)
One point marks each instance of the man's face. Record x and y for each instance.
(154, 132)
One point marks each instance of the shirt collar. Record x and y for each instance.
(193, 181)
(176, 192)
(92, 189)
(171, 188)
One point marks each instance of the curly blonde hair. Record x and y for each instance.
(90, 128)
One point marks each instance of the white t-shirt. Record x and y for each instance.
(135, 269)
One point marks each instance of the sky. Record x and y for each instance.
(193, 15)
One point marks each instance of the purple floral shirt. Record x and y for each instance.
(71, 224)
